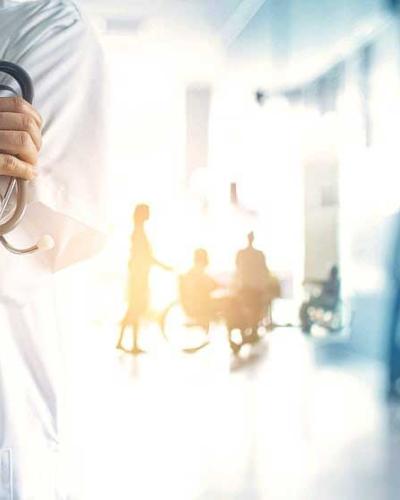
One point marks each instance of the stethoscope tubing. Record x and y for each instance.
(21, 77)
(19, 185)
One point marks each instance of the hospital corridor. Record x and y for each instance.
(292, 419)
(199, 250)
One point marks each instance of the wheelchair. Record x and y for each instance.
(190, 332)
(185, 324)
(323, 311)
(184, 330)
(246, 316)
(249, 318)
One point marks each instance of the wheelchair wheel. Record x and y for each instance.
(182, 332)
(251, 336)
(338, 321)
(333, 320)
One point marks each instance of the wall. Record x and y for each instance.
(295, 40)
(298, 40)
(369, 195)
(321, 211)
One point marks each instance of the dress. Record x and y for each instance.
(140, 265)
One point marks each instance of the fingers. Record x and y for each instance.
(20, 137)
(14, 167)
(19, 144)
(19, 106)
(23, 123)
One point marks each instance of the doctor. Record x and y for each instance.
(58, 144)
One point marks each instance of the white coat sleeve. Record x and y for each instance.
(67, 200)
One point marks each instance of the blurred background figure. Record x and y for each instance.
(326, 298)
(252, 272)
(140, 264)
(196, 288)
(255, 285)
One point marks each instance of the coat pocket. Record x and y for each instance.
(6, 483)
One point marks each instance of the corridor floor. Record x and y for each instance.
(292, 419)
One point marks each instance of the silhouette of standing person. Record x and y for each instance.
(256, 286)
(140, 264)
(252, 279)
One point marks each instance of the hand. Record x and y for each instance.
(167, 268)
(20, 138)
(163, 266)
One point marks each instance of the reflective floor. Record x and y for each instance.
(291, 419)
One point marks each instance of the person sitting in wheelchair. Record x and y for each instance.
(196, 288)
(327, 299)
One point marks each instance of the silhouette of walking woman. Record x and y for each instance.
(140, 263)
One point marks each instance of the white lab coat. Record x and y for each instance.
(52, 42)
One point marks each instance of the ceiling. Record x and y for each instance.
(228, 18)
(282, 39)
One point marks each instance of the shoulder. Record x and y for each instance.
(42, 12)
(256, 254)
(22, 25)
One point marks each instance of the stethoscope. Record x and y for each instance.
(14, 202)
